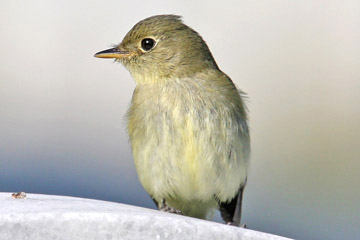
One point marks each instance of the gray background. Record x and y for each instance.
(61, 110)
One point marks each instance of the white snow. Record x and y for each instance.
(44, 217)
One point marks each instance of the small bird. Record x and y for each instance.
(187, 122)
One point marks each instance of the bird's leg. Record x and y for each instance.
(165, 208)
(156, 203)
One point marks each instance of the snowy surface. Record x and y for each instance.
(43, 217)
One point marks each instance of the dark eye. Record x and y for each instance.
(147, 44)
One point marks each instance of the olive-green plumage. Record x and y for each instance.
(187, 121)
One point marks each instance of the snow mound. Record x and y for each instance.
(44, 217)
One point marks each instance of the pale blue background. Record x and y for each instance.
(61, 110)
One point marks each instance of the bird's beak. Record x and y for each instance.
(112, 53)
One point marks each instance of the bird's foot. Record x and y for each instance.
(166, 208)
(243, 225)
(233, 224)
(170, 210)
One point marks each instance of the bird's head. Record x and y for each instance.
(161, 47)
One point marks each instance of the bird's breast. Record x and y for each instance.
(182, 143)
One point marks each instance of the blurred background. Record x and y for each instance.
(62, 129)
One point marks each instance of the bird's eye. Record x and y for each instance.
(147, 44)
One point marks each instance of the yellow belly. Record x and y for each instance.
(185, 153)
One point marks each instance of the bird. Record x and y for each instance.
(187, 122)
